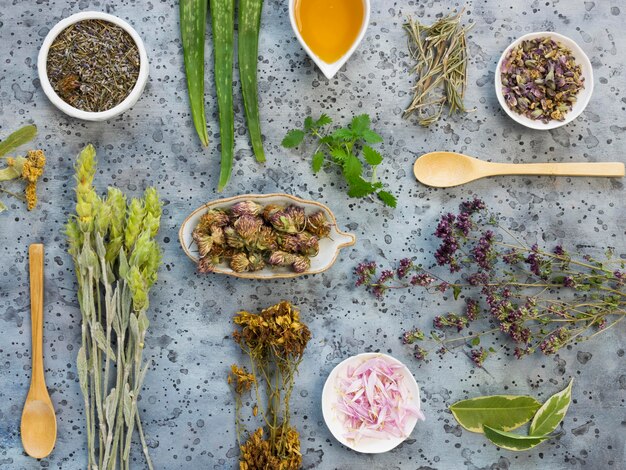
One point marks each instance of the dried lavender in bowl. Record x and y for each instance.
(541, 79)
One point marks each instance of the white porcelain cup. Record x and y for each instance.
(329, 70)
(70, 110)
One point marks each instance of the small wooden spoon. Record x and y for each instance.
(446, 169)
(39, 426)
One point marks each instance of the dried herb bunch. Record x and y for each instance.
(116, 260)
(541, 300)
(440, 55)
(540, 79)
(249, 237)
(274, 340)
(93, 65)
(28, 169)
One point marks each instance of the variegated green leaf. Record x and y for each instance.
(506, 412)
(551, 412)
(510, 441)
(83, 371)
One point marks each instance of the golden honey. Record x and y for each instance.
(329, 27)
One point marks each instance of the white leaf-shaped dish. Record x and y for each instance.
(329, 247)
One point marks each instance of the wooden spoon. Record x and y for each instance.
(39, 426)
(446, 169)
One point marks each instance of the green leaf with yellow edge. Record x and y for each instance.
(552, 412)
(505, 412)
(511, 441)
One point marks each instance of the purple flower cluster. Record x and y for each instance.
(478, 356)
(450, 320)
(472, 309)
(482, 252)
(554, 341)
(364, 272)
(423, 280)
(411, 336)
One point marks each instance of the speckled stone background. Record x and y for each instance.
(186, 405)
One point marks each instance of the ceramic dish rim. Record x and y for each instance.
(326, 392)
(255, 197)
(128, 102)
(571, 115)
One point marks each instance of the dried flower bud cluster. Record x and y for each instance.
(540, 79)
(249, 237)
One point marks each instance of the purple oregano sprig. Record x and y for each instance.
(541, 300)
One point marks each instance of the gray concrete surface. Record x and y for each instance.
(187, 407)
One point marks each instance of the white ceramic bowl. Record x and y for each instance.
(333, 421)
(329, 70)
(329, 247)
(582, 99)
(130, 100)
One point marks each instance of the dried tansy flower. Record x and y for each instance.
(28, 169)
(540, 79)
(249, 236)
(274, 340)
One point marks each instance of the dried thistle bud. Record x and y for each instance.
(247, 226)
(205, 265)
(213, 218)
(301, 264)
(203, 241)
(256, 262)
(232, 238)
(270, 210)
(245, 207)
(265, 239)
(281, 258)
(239, 263)
(318, 225)
(296, 213)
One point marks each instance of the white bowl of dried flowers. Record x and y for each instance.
(544, 80)
(93, 66)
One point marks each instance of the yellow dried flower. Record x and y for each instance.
(241, 379)
(31, 195)
(33, 166)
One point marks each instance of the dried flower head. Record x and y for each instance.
(245, 207)
(241, 379)
(258, 453)
(301, 264)
(213, 218)
(317, 224)
(203, 241)
(240, 263)
(247, 226)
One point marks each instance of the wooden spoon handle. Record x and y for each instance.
(35, 255)
(559, 169)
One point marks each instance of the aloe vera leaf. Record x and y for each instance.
(18, 138)
(193, 17)
(249, 27)
(223, 22)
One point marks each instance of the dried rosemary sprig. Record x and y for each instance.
(116, 260)
(440, 54)
(274, 340)
(93, 65)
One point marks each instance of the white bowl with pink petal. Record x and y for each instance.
(381, 389)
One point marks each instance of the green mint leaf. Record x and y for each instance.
(309, 124)
(505, 412)
(387, 198)
(360, 124)
(551, 412)
(293, 138)
(342, 134)
(371, 137)
(339, 154)
(476, 341)
(510, 441)
(352, 167)
(318, 162)
(372, 156)
(360, 188)
(324, 120)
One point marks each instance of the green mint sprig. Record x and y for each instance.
(344, 147)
